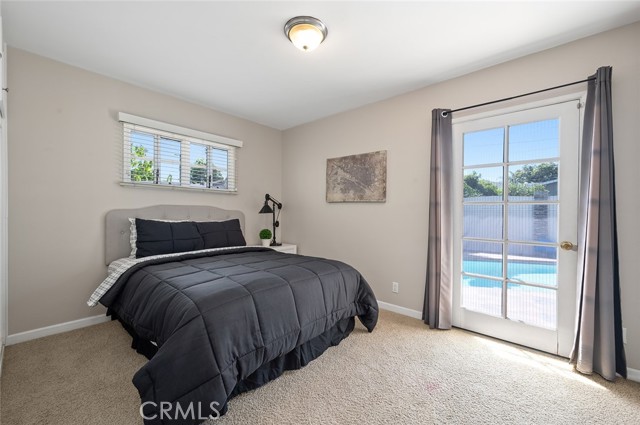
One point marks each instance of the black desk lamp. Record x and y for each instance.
(267, 209)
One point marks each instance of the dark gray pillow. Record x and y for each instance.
(220, 234)
(162, 237)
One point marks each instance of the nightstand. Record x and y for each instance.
(286, 247)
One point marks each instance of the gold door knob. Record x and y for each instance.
(566, 245)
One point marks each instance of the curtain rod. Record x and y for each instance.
(445, 113)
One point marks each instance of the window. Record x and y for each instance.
(163, 155)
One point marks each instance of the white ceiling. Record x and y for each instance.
(233, 56)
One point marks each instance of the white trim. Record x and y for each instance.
(159, 125)
(56, 329)
(400, 310)
(633, 374)
(1, 357)
(4, 207)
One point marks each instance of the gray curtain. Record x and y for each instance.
(436, 311)
(598, 343)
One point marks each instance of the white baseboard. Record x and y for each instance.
(633, 374)
(56, 329)
(400, 310)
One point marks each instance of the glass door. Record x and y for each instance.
(516, 195)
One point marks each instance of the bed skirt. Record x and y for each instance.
(295, 359)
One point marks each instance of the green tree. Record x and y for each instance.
(539, 173)
(199, 175)
(522, 189)
(523, 182)
(527, 181)
(475, 185)
(141, 169)
(216, 175)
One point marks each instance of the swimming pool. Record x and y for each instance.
(528, 304)
(526, 272)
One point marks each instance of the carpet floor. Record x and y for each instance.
(402, 373)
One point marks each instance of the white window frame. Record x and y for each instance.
(186, 137)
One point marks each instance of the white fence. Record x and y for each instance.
(525, 223)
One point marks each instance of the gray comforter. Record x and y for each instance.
(219, 317)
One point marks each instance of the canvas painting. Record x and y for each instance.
(357, 178)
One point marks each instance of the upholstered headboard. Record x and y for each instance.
(118, 230)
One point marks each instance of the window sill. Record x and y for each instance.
(176, 187)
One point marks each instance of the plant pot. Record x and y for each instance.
(266, 242)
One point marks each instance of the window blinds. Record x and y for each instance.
(156, 153)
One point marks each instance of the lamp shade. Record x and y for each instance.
(266, 209)
(305, 32)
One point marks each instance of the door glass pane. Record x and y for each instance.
(531, 215)
(483, 221)
(482, 258)
(532, 182)
(534, 140)
(533, 223)
(484, 147)
(533, 264)
(532, 305)
(483, 184)
(482, 295)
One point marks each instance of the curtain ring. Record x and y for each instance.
(444, 114)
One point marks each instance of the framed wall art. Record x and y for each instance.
(357, 178)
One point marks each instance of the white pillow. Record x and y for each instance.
(133, 238)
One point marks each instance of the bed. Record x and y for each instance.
(218, 320)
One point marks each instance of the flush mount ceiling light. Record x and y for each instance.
(305, 32)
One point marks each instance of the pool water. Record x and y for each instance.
(527, 272)
(532, 305)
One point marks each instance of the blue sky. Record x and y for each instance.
(530, 141)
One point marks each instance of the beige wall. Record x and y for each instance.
(387, 242)
(65, 149)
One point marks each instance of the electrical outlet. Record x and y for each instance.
(624, 335)
(395, 287)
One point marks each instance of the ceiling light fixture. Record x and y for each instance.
(305, 32)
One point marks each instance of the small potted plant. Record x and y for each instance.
(265, 236)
